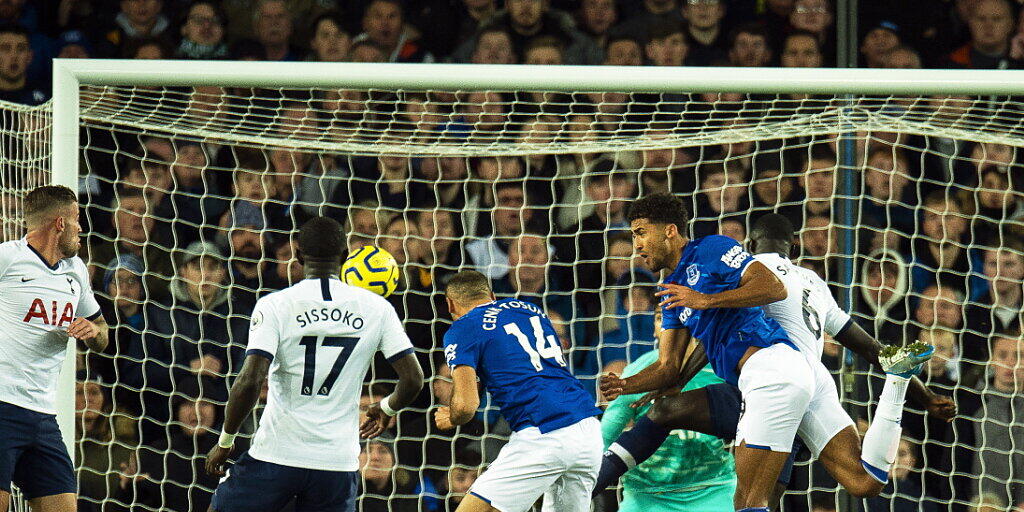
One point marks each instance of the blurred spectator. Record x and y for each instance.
(708, 39)
(15, 58)
(991, 23)
(248, 244)
(885, 283)
(596, 18)
(666, 44)
(634, 311)
(104, 445)
(816, 17)
(623, 51)
(462, 476)
(1000, 201)
(819, 180)
(941, 252)
(998, 310)
(488, 174)
(272, 28)
(526, 19)
(383, 486)
(998, 459)
(890, 201)
(330, 41)
(493, 46)
(287, 270)
(543, 51)
(147, 49)
(903, 493)
(942, 371)
(878, 43)
(138, 20)
(940, 306)
(472, 16)
(133, 233)
(723, 196)
(801, 49)
(364, 222)
(903, 57)
(73, 44)
(387, 179)
(666, 169)
(442, 254)
(818, 245)
(401, 238)
(202, 33)
(173, 476)
(528, 279)
(193, 199)
(749, 46)
(242, 22)
(384, 24)
(511, 216)
(638, 17)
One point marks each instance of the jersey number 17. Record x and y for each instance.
(309, 368)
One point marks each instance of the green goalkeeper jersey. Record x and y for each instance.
(686, 460)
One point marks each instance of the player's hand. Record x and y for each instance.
(376, 422)
(215, 460)
(677, 295)
(611, 386)
(83, 329)
(443, 418)
(942, 407)
(649, 398)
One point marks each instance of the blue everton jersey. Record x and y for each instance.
(517, 356)
(714, 264)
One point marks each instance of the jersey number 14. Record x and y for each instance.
(546, 347)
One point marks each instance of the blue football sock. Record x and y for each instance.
(631, 448)
(754, 509)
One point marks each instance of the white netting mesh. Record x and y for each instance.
(910, 203)
(24, 165)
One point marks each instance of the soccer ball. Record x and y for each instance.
(371, 268)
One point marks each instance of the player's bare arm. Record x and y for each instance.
(663, 374)
(759, 286)
(855, 338)
(696, 360)
(242, 398)
(410, 382)
(465, 399)
(94, 334)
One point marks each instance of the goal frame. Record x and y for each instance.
(70, 74)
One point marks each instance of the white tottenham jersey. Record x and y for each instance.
(808, 309)
(37, 304)
(321, 335)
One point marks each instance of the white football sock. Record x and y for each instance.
(883, 436)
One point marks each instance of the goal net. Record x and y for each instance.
(193, 188)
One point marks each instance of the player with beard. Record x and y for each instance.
(46, 298)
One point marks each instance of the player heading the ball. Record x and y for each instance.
(555, 449)
(307, 442)
(46, 299)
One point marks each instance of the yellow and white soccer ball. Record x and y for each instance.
(371, 268)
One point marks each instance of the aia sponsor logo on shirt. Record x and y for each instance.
(49, 317)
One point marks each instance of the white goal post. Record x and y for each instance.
(775, 103)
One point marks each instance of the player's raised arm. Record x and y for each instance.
(242, 398)
(465, 399)
(410, 382)
(94, 333)
(759, 286)
(666, 372)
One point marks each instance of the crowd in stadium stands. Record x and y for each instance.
(179, 251)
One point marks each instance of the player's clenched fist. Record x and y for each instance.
(83, 329)
(611, 386)
(375, 423)
(676, 295)
(443, 418)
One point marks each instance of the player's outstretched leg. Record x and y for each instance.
(863, 471)
(688, 410)
(757, 474)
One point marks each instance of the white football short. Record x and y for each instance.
(825, 416)
(561, 465)
(777, 385)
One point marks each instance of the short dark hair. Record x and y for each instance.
(663, 29)
(753, 28)
(16, 29)
(321, 238)
(468, 285)
(775, 227)
(45, 199)
(660, 209)
(821, 152)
